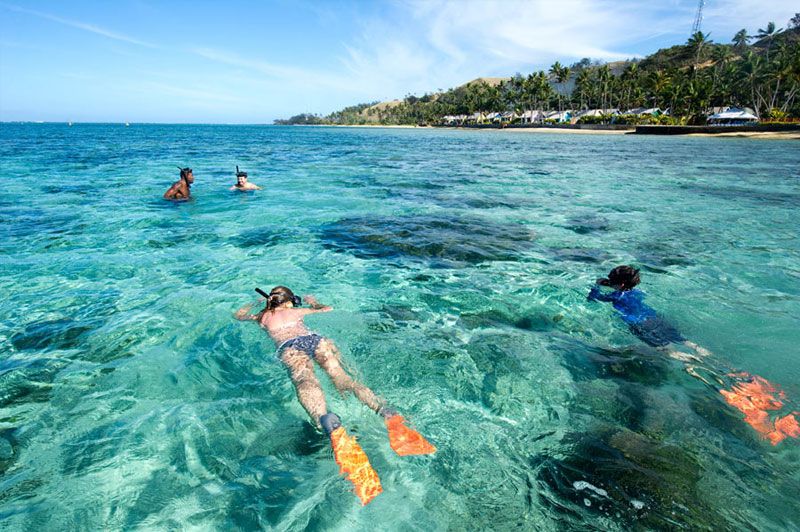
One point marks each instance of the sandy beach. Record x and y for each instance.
(767, 135)
(518, 130)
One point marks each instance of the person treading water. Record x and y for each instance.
(752, 395)
(241, 182)
(298, 348)
(181, 189)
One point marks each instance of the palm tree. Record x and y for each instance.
(659, 82)
(562, 78)
(769, 34)
(721, 55)
(604, 78)
(751, 70)
(629, 78)
(582, 82)
(529, 90)
(697, 43)
(557, 72)
(740, 39)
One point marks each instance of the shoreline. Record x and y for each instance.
(763, 135)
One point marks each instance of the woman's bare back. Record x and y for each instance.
(284, 324)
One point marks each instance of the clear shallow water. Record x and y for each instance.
(458, 263)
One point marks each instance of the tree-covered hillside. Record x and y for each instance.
(760, 71)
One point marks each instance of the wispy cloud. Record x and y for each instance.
(276, 72)
(191, 93)
(91, 28)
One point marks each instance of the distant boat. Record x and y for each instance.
(69, 123)
(127, 124)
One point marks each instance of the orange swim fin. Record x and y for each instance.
(754, 398)
(406, 441)
(355, 466)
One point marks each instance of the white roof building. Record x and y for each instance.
(732, 114)
(559, 116)
(532, 116)
(653, 111)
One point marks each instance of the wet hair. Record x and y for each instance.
(185, 172)
(240, 173)
(626, 277)
(280, 295)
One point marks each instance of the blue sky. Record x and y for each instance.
(253, 61)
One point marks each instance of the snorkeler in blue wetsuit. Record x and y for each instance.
(755, 397)
(642, 320)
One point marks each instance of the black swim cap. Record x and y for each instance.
(185, 171)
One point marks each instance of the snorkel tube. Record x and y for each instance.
(185, 172)
(296, 300)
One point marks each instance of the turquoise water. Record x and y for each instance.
(458, 264)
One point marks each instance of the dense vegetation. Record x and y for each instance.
(761, 72)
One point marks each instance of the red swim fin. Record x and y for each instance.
(406, 441)
(355, 466)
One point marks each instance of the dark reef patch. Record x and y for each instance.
(589, 255)
(54, 334)
(588, 224)
(260, 237)
(433, 237)
(659, 256)
(28, 381)
(760, 196)
(641, 365)
(629, 477)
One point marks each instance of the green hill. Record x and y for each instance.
(760, 72)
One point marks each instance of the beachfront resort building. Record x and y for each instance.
(732, 116)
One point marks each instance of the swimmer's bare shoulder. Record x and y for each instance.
(176, 191)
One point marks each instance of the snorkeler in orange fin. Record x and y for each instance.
(406, 441)
(299, 349)
(755, 397)
(353, 462)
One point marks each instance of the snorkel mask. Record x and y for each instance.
(296, 300)
(185, 172)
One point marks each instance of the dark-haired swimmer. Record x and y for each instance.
(298, 348)
(181, 189)
(752, 395)
(642, 320)
(241, 182)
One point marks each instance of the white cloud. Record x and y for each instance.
(440, 43)
(91, 28)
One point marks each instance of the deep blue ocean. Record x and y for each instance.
(458, 264)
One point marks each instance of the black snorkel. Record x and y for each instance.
(184, 174)
(296, 300)
(238, 175)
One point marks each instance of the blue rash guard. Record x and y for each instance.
(642, 320)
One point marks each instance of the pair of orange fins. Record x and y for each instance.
(354, 464)
(755, 397)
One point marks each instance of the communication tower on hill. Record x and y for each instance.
(698, 18)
